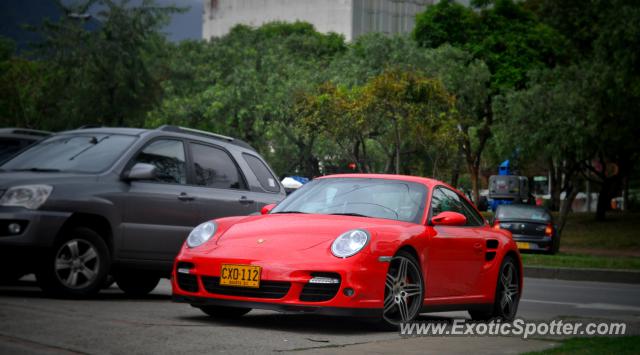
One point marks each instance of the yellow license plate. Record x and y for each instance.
(240, 275)
(523, 245)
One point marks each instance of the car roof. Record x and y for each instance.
(418, 179)
(188, 132)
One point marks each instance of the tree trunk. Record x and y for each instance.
(554, 185)
(474, 171)
(604, 199)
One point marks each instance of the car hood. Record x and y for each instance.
(13, 178)
(297, 232)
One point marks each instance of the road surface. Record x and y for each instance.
(112, 323)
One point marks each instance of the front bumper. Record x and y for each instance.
(363, 274)
(39, 228)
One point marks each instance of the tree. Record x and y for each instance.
(244, 84)
(605, 37)
(106, 74)
(396, 109)
(508, 38)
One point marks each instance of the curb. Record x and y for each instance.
(600, 275)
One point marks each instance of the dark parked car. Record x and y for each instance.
(84, 204)
(531, 226)
(13, 140)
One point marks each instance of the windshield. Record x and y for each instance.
(378, 198)
(90, 153)
(522, 213)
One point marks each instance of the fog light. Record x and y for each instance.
(324, 280)
(348, 292)
(14, 228)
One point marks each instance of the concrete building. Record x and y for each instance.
(350, 18)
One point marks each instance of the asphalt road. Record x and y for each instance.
(113, 323)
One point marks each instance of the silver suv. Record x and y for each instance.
(85, 204)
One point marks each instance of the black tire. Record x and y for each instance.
(137, 284)
(507, 297)
(403, 291)
(77, 266)
(224, 312)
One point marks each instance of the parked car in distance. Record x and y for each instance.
(531, 226)
(84, 204)
(13, 140)
(383, 247)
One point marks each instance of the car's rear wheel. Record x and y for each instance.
(224, 312)
(77, 266)
(403, 291)
(137, 284)
(507, 296)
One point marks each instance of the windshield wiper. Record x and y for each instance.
(290, 212)
(39, 170)
(349, 214)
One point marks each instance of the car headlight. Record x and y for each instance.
(349, 243)
(27, 196)
(201, 234)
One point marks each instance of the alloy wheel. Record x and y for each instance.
(77, 263)
(403, 291)
(510, 288)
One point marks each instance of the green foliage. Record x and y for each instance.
(393, 112)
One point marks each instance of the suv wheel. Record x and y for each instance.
(77, 266)
(137, 284)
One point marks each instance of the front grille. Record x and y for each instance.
(267, 289)
(319, 292)
(188, 282)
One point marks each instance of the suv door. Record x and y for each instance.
(222, 189)
(160, 213)
(456, 253)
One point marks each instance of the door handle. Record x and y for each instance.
(477, 247)
(185, 197)
(245, 201)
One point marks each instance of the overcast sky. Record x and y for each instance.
(187, 25)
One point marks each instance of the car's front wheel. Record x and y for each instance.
(507, 295)
(137, 284)
(403, 291)
(224, 312)
(77, 266)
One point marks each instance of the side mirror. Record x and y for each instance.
(449, 218)
(267, 208)
(141, 171)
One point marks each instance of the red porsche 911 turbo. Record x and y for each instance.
(379, 246)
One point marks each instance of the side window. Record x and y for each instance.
(168, 157)
(266, 179)
(213, 167)
(446, 200)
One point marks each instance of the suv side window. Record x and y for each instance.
(266, 179)
(447, 200)
(168, 157)
(213, 167)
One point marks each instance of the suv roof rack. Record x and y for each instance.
(186, 130)
(26, 132)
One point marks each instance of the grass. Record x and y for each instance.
(619, 231)
(596, 346)
(581, 261)
(587, 243)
